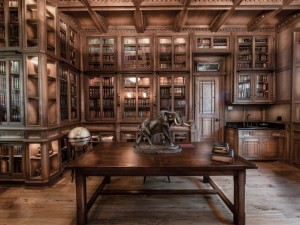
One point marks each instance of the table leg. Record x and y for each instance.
(239, 198)
(81, 198)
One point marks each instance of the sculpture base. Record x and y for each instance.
(146, 148)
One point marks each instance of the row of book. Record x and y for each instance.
(222, 153)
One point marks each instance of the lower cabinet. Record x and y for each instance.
(256, 144)
(259, 148)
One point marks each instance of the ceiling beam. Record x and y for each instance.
(181, 17)
(258, 21)
(138, 17)
(288, 22)
(98, 20)
(223, 16)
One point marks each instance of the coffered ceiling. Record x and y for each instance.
(181, 15)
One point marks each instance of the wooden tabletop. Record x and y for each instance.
(119, 158)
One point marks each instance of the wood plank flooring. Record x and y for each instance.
(272, 198)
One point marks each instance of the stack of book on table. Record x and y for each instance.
(222, 153)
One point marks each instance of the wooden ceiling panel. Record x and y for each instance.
(178, 15)
(118, 18)
(242, 17)
(160, 18)
(201, 17)
(82, 17)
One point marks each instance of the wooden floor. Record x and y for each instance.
(272, 198)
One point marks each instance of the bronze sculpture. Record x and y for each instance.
(161, 124)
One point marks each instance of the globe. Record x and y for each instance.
(79, 136)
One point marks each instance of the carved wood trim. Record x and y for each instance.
(258, 21)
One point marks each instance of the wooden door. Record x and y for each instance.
(207, 109)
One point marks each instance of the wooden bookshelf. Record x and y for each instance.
(12, 160)
(9, 24)
(101, 97)
(173, 53)
(254, 53)
(11, 87)
(173, 93)
(101, 53)
(136, 96)
(216, 43)
(137, 53)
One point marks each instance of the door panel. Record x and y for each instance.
(207, 109)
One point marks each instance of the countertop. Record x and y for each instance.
(256, 125)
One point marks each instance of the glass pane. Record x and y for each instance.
(15, 97)
(207, 97)
(108, 92)
(3, 88)
(245, 52)
(94, 97)
(244, 86)
(262, 86)
(13, 29)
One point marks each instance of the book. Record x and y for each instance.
(220, 148)
(223, 157)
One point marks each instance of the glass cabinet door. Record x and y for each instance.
(262, 86)
(261, 52)
(244, 56)
(10, 91)
(244, 86)
(11, 159)
(137, 53)
(101, 97)
(136, 97)
(165, 53)
(180, 53)
(172, 94)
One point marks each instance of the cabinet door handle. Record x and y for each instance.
(217, 120)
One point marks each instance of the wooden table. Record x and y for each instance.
(119, 159)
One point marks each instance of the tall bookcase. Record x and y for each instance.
(9, 24)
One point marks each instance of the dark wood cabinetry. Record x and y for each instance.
(256, 144)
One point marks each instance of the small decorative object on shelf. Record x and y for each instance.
(222, 153)
(160, 125)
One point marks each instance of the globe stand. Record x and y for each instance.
(78, 138)
(75, 153)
